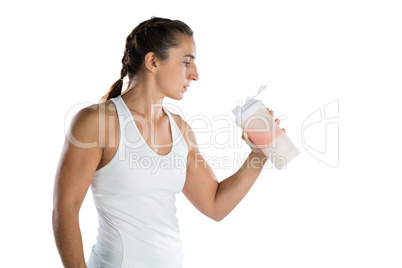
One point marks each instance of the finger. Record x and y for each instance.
(245, 135)
(270, 111)
(284, 130)
(277, 121)
(251, 144)
(247, 138)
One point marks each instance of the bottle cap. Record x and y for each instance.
(242, 113)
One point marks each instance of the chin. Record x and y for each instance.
(178, 96)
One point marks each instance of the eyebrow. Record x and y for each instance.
(189, 55)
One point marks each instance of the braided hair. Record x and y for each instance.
(157, 35)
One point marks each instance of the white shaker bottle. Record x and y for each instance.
(254, 118)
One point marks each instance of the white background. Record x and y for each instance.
(55, 55)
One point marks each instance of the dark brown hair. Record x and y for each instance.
(157, 35)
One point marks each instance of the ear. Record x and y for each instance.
(151, 62)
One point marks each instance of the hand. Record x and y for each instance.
(250, 143)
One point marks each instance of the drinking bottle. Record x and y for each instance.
(254, 118)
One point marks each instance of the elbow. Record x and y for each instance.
(215, 217)
(217, 214)
(218, 217)
(55, 220)
(62, 214)
(56, 215)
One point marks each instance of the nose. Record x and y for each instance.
(194, 73)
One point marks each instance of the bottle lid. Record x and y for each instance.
(244, 112)
(251, 106)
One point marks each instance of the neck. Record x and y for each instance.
(143, 99)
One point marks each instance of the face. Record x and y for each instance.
(174, 75)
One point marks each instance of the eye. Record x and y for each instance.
(186, 63)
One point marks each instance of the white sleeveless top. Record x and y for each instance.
(135, 196)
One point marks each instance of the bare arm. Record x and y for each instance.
(74, 174)
(216, 200)
(233, 189)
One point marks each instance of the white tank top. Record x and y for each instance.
(135, 196)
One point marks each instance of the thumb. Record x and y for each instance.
(249, 142)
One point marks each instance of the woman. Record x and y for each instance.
(106, 143)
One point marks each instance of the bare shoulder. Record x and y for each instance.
(87, 123)
(80, 157)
